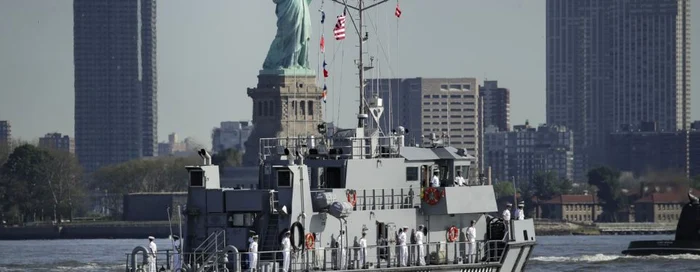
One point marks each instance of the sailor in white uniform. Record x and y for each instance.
(459, 180)
(520, 211)
(177, 251)
(253, 253)
(363, 249)
(435, 182)
(152, 251)
(506, 219)
(419, 243)
(471, 241)
(286, 248)
(341, 250)
(403, 257)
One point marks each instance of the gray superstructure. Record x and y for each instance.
(314, 182)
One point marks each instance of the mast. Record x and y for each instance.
(361, 115)
(360, 8)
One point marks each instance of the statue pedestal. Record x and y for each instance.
(286, 103)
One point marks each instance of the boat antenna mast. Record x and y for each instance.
(360, 8)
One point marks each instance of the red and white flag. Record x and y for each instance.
(339, 30)
(398, 11)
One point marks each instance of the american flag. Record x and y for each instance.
(339, 30)
(398, 11)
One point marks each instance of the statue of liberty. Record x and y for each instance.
(290, 48)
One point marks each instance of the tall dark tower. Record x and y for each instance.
(614, 64)
(115, 81)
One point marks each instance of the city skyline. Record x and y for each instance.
(204, 53)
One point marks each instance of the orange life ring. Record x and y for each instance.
(452, 234)
(352, 198)
(309, 241)
(432, 195)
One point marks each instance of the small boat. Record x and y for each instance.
(687, 240)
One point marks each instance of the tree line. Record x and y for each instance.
(613, 190)
(38, 184)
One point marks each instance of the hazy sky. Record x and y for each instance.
(210, 51)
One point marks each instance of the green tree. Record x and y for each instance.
(503, 188)
(695, 182)
(63, 176)
(545, 186)
(228, 158)
(160, 174)
(22, 185)
(566, 186)
(606, 180)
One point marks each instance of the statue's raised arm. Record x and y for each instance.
(290, 48)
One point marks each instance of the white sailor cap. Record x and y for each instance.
(255, 236)
(287, 232)
(405, 227)
(521, 204)
(151, 238)
(508, 204)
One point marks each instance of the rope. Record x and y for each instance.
(318, 58)
(398, 65)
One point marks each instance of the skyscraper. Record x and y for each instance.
(115, 81)
(58, 142)
(5, 132)
(495, 105)
(616, 63)
(445, 106)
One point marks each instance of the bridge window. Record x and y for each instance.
(284, 178)
(240, 219)
(333, 177)
(411, 173)
(197, 178)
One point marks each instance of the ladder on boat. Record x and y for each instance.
(270, 235)
(207, 256)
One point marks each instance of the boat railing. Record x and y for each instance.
(207, 253)
(382, 198)
(384, 146)
(436, 254)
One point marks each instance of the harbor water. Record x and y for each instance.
(553, 253)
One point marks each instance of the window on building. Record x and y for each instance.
(311, 107)
(302, 107)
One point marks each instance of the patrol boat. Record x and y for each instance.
(374, 185)
(328, 191)
(687, 240)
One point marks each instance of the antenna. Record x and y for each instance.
(361, 36)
